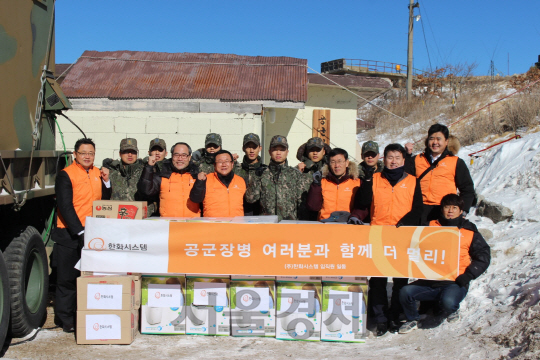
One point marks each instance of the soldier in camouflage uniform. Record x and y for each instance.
(158, 148)
(204, 157)
(124, 175)
(250, 167)
(280, 187)
(313, 155)
(371, 163)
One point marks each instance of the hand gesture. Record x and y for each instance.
(301, 167)
(152, 160)
(104, 174)
(234, 156)
(317, 177)
(201, 176)
(409, 147)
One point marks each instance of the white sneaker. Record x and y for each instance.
(408, 327)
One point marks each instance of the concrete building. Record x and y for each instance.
(183, 96)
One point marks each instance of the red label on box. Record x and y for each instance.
(127, 211)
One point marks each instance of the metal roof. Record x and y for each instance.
(153, 75)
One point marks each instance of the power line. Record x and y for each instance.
(432, 34)
(425, 41)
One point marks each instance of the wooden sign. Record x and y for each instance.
(321, 125)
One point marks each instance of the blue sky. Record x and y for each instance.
(456, 31)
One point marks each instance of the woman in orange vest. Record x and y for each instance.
(474, 259)
(394, 198)
(221, 192)
(440, 172)
(77, 187)
(333, 188)
(173, 183)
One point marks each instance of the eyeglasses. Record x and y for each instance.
(223, 162)
(85, 154)
(339, 162)
(181, 156)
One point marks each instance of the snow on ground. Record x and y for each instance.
(500, 317)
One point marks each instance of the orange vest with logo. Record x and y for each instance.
(389, 203)
(337, 197)
(86, 187)
(464, 245)
(174, 196)
(221, 201)
(438, 182)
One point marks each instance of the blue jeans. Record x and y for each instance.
(449, 297)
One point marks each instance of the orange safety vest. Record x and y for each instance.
(389, 203)
(337, 197)
(221, 201)
(465, 242)
(174, 196)
(86, 187)
(438, 182)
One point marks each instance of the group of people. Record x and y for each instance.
(400, 190)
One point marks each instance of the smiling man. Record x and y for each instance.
(440, 173)
(392, 197)
(334, 187)
(173, 183)
(221, 192)
(77, 187)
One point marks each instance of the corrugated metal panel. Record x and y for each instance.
(151, 75)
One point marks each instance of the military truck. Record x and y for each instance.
(30, 100)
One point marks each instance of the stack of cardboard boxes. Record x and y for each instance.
(107, 309)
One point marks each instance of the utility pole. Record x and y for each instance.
(412, 5)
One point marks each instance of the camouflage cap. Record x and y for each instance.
(212, 138)
(128, 144)
(279, 140)
(159, 143)
(315, 142)
(251, 137)
(370, 146)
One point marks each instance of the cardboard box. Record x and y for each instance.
(136, 278)
(208, 305)
(163, 309)
(107, 326)
(344, 309)
(298, 308)
(105, 293)
(253, 310)
(113, 209)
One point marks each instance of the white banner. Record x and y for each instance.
(112, 245)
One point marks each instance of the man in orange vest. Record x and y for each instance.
(77, 187)
(334, 187)
(173, 183)
(221, 192)
(474, 259)
(440, 172)
(393, 198)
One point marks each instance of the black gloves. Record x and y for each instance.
(355, 221)
(317, 177)
(399, 224)
(107, 163)
(463, 280)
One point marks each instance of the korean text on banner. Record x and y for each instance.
(274, 249)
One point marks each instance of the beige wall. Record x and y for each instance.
(296, 124)
(108, 128)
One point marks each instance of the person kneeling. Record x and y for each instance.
(474, 258)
